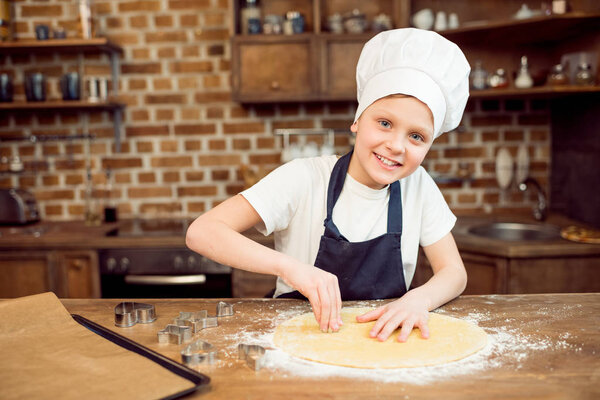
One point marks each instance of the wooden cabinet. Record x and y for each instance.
(69, 274)
(319, 65)
(500, 275)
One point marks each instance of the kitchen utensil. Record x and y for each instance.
(504, 168)
(130, 313)
(253, 354)
(453, 21)
(441, 21)
(18, 206)
(6, 88)
(335, 23)
(42, 32)
(175, 334)
(69, 86)
(423, 19)
(382, 22)
(199, 352)
(524, 79)
(355, 22)
(35, 87)
(196, 320)
(224, 309)
(557, 76)
(522, 163)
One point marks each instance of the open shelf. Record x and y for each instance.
(540, 91)
(58, 105)
(27, 46)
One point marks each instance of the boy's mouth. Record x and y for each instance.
(386, 161)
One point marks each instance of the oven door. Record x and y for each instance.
(166, 286)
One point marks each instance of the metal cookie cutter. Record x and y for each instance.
(199, 352)
(129, 313)
(196, 320)
(175, 334)
(253, 354)
(224, 309)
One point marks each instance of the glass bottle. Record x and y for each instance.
(584, 75)
(524, 80)
(498, 79)
(110, 210)
(250, 18)
(92, 203)
(5, 20)
(557, 76)
(478, 77)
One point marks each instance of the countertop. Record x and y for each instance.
(71, 235)
(540, 346)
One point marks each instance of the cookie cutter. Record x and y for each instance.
(175, 334)
(198, 352)
(224, 309)
(253, 354)
(130, 313)
(196, 320)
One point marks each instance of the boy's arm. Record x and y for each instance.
(216, 235)
(448, 281)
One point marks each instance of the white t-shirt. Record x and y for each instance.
(292, 203)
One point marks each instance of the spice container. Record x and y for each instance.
(251, 18)
(478, 77)
(498, 79)
(584, 75)
(557, 76)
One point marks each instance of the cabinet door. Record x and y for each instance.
(78, 274)
(24, 274)
(339, 56)
(266, 70)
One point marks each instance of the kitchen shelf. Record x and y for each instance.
(550, 28)
(541, 91)
(80, 46)
(98, 45)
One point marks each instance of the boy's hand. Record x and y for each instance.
(322, 290)
(411, 310)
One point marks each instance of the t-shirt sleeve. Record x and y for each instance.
(276, 197)
(437, 218)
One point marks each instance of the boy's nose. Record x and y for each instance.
(396, 144)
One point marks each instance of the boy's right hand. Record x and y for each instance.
(322, 290)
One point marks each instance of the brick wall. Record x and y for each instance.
(185, 139)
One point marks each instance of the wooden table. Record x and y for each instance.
(542, 346)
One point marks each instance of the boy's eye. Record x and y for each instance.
(417, 136)
(385, 124)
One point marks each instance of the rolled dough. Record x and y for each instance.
(450, 339)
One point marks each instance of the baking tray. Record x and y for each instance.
(200, 381)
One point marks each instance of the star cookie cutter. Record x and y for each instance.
(253, 354)
(175, 334)
(198, 352)
(130, 313)
(196, 320)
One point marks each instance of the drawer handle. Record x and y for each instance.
(165, 279)
(275, 85)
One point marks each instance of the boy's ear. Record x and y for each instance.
(354, 127)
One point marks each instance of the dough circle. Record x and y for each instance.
(450, 339)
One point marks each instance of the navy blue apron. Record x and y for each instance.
(365, 270)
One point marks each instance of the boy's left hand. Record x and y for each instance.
(409, 311)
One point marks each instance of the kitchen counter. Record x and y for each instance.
(540, 346)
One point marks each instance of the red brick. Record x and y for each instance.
(196, 207)
(189, 4)
(163, 21)
(53, 210)
(244, 127)
(232, 190)
(217, 144)
(147, 192)
(265, 142)
(190, 67)
(117, 163)
(491, 120)
(141, 68)
(169, 37)
(165, 99)
(211, 34)
(194, 176)
(28, 11)
(178, 161)
(190, 51)
(217, 160)
(196, 191)
(212, 97)
(166, 52)
(139, 115)
(259, 159)
(190, 20)
(195, 129)
(146, 177)
(165, 114)
(241, 144)
(464, 152)
(141, 5)
(169, 146)
(220, 175)
(532, 119)
(160, 208)
(191, 145)
(147, 130)
(122, 177)
(43, 195)
(171, 177)
(138, 21)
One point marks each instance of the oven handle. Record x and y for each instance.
(165, 279)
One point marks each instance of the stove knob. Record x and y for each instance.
(125, 264)
(178, 262)
(192, 263)
(111, 264)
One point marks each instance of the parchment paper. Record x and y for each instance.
(46, 354)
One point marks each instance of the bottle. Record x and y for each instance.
(92, 205)
(5, 20)
(498, 79)
(584, 75)
(557, 76)
(478, 77)
(250, 18)
(524, 80)
(85, 17)
(110, 210)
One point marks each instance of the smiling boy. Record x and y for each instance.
(350, 228)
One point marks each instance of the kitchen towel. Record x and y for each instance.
(48, 355)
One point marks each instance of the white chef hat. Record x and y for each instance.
(418, 63)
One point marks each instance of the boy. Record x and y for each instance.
(378, 204)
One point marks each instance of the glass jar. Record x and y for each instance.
(498, 79)
(557, 76)
(478, 77)
(584, 75)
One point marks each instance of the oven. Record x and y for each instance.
(161, 273)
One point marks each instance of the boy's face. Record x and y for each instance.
(393, 135)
